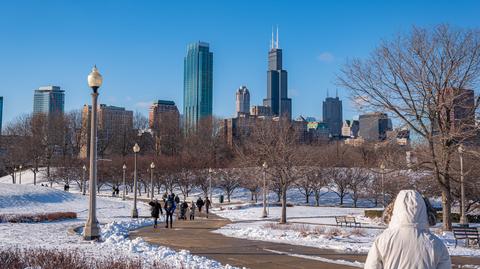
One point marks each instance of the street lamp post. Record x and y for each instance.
(84, 184)
(152, 166)
(124, 168)
(92, 229)
(20, 176)
(264, 167)
(463, 218)
(210, 170)
(136, 149)
(14, 175)
(382, 167)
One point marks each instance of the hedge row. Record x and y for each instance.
(377, 213)
(43, 217)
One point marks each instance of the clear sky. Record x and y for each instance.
(139, 46)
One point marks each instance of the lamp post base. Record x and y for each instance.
(91, 231)
(135, 213)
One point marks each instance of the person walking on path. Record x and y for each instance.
(156, 210)
(200, 203)
(183, 210)
(192, 211)
(207, 205)
(169, 209)
(407, 243)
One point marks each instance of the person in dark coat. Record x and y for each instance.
(169, 210)
(156, 210)
(207, 204)
(200, 204)
(183, 210)
(177, 199)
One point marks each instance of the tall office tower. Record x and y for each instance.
(332, 115)
(197, 84)
(114, 123)
(242, 101)
(49, 100)
(277, 88)
(1, 113)
(374, 126)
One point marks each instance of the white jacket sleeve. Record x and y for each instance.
(374, 259)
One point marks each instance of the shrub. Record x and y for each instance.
(334, 232)
(373, 213)
(358, 232)
(62, 259)
(26, 218)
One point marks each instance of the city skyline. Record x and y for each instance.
(141, 66)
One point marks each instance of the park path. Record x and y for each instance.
(197, 237)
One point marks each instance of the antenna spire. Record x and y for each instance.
(327, 93)
(271, 42)
(276, 44)
(336, 92)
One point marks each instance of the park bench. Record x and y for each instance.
(467, 233)
(347, 220)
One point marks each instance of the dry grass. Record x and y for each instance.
(27, 218)
(332, 232)
(56, 259)
(358, 232)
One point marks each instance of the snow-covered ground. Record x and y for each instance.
(112, 213)
(312, 226)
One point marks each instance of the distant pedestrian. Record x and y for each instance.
(169, 210)
(183, 210)
(177, 199)
(117, 191)
(192, 211)
(408, 242)
(200, 204)
(164, 197)
(156, 210)
(207, 205)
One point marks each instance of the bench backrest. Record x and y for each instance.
(340, 219)
(350, 219)
(467, 232)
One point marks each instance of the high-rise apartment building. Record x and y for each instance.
(333, 116)
(374, 126)
(113, 123)
(164, 121)
(350, 128)
(197, 84)
(48, 100)
(261, 111)
(277, 86)
(242, 98)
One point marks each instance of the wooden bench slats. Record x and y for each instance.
(468, 233)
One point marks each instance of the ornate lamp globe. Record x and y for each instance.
(95, 79)
(265, 165)
(152, 165)
(124, 167)
(136, 148)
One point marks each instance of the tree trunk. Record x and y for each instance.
(341, 199)
(283, 218)
(251, 194)
(307, 199)
(228, 197)
(447, 209)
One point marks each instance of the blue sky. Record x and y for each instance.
(139, 46)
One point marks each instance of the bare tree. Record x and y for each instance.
(228, 179)
(423, 78)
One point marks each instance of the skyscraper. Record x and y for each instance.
(48, 100)
(164, 121)
(277, 87)
(374, 126)
(242, 101)
(332, 115)
(1, 113)
(197, 84)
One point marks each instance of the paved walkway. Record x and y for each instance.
(197, 237)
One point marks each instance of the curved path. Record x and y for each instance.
(197, 237)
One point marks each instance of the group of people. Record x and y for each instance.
(115, 191)
(170, 203)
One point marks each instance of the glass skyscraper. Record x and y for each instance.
(333, 115)
(1, 113)
(277, 87)
(48, 100)
(197, 84)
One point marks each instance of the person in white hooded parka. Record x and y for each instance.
(407, 243)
